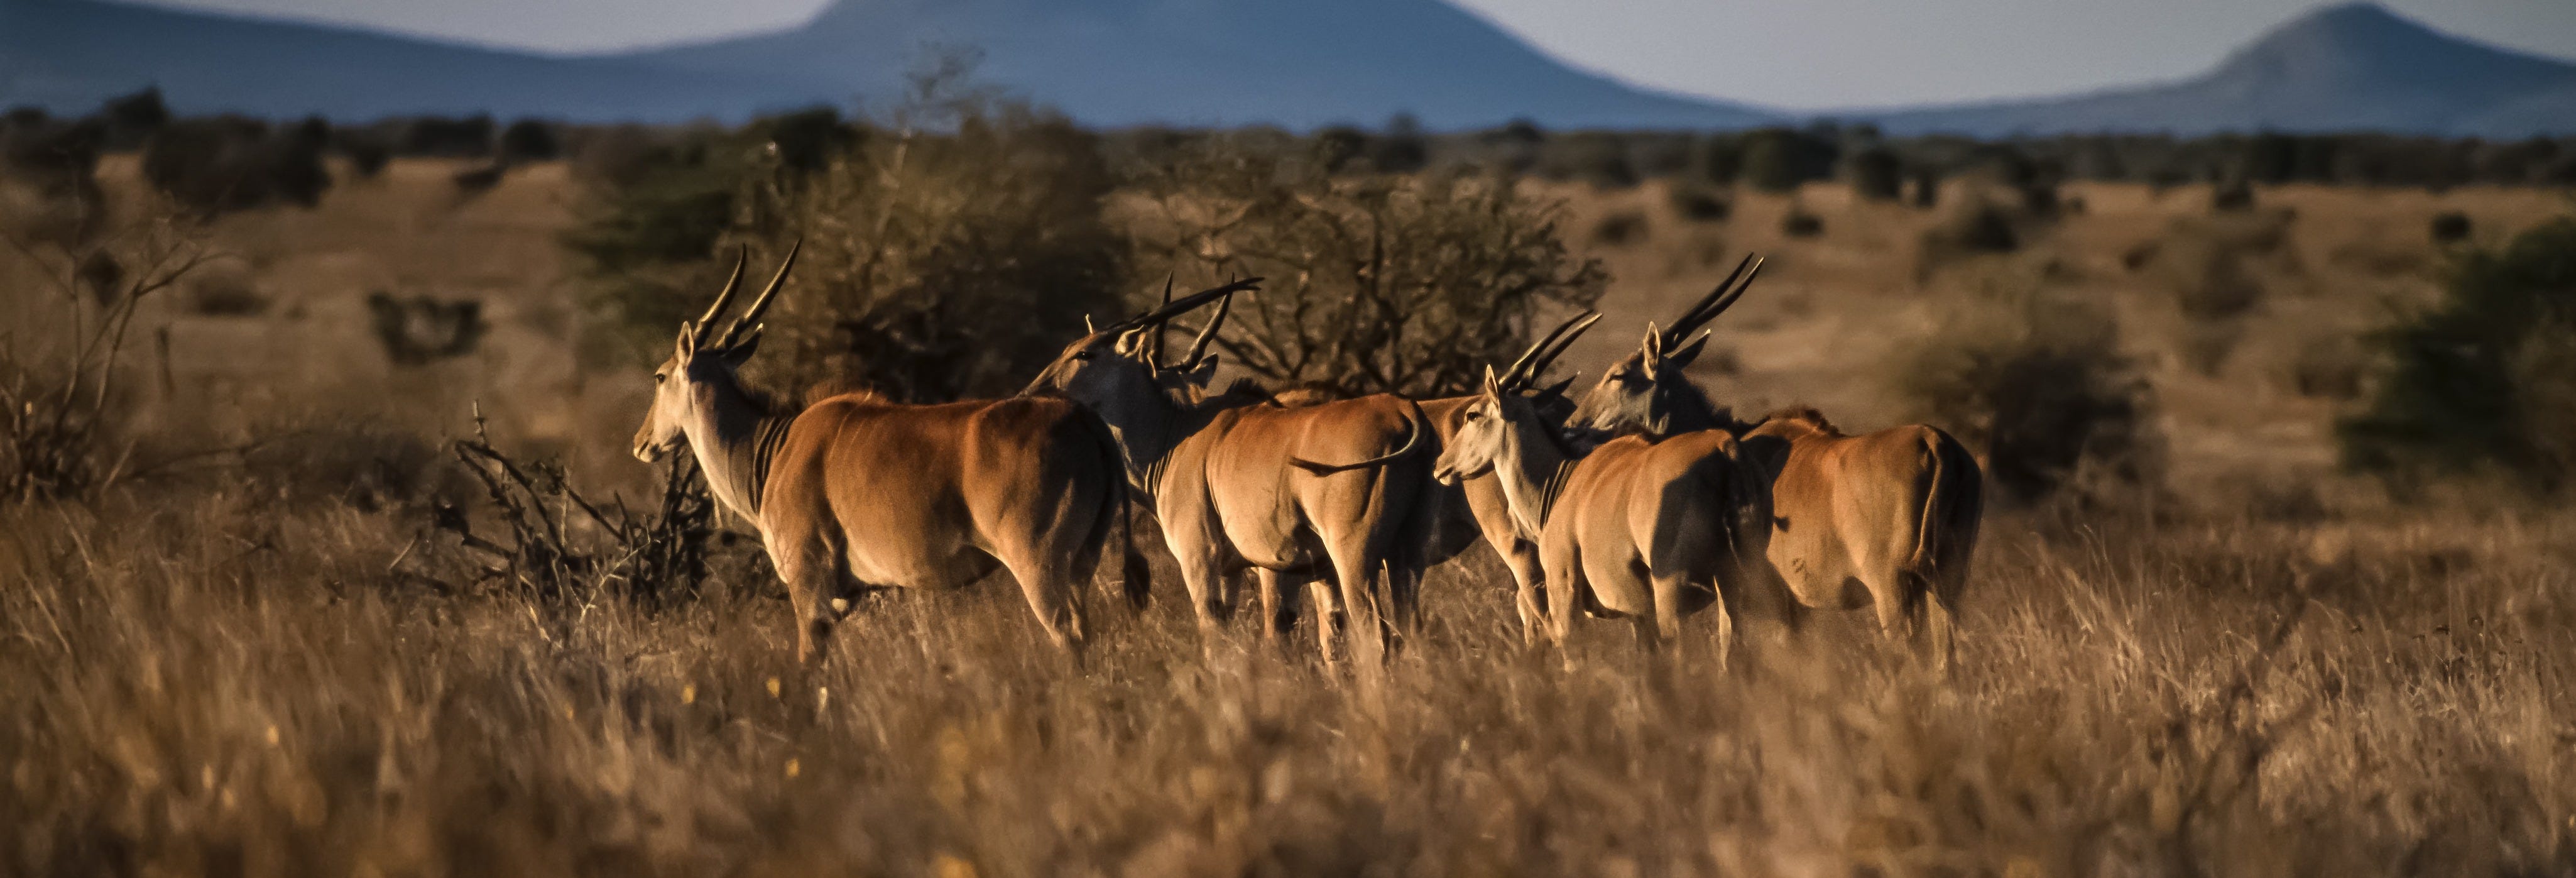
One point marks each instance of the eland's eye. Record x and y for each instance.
(1082, 355)
(659, 377)
(1474, 415)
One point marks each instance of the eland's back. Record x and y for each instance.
(1887, 519)
(932, 496)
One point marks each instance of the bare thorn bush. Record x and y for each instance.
(543, 539)
(950, 243)
(62, 392)
(1376, 284)
(944, 258)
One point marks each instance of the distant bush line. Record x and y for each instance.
(1777, 158)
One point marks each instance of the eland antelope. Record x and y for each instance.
(1650, 530)
(1295, 494)
(1887, 519)
(1476, 508)
(855, 493)
(1467, 513)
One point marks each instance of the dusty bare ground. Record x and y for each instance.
(230, 673)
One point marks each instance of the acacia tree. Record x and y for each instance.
(944, 262)
(951, 242)
(1375, 284)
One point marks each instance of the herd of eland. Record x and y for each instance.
(1640, 499)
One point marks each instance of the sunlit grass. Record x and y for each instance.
(201, 684)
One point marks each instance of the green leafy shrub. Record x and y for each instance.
(2450, 227)
(1926, 189)
(1780, 159)
(1699, 204)
(1970, 230)
(130, 119)
(2485, 381)
(1800, 223)
(2232, 196)
(368, 153)
(1337, 147)
(1599, 158)
(1402, 148)
(231, 163)
(529, 140)
(49, 190)
(1620, 229)
(647, 224)
(1877, 174)
(2033, 376)
(1715, 160)
(1984, 228)
(440, 137)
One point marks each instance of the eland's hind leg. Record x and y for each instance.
(1928, 615)
(1894, 598)
(1934, 621)
(1331, 624)
(1404, 586)
(1364, 615)
(1279, 596)
(1054, 595)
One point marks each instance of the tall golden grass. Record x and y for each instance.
(198, 681)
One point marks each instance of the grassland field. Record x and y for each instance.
(2264, 666)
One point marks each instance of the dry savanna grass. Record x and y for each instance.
(260, 668)
(202, 683)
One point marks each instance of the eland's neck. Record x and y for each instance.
(1531, 466)
(734, 438)
(1150, 430)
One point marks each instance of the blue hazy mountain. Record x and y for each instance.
(2343, 68)
(1298, 63)
(67, 55)
(1290, 62)
(1110, 62)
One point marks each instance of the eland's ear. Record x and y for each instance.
(1557, 390)
(742, 350)
(1129, 342)
(1087, 328)
(1493, 384)
(1652, 353)
(1682, 358)
(1199, 374)
(688, 343)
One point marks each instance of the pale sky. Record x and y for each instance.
(1792, 54)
